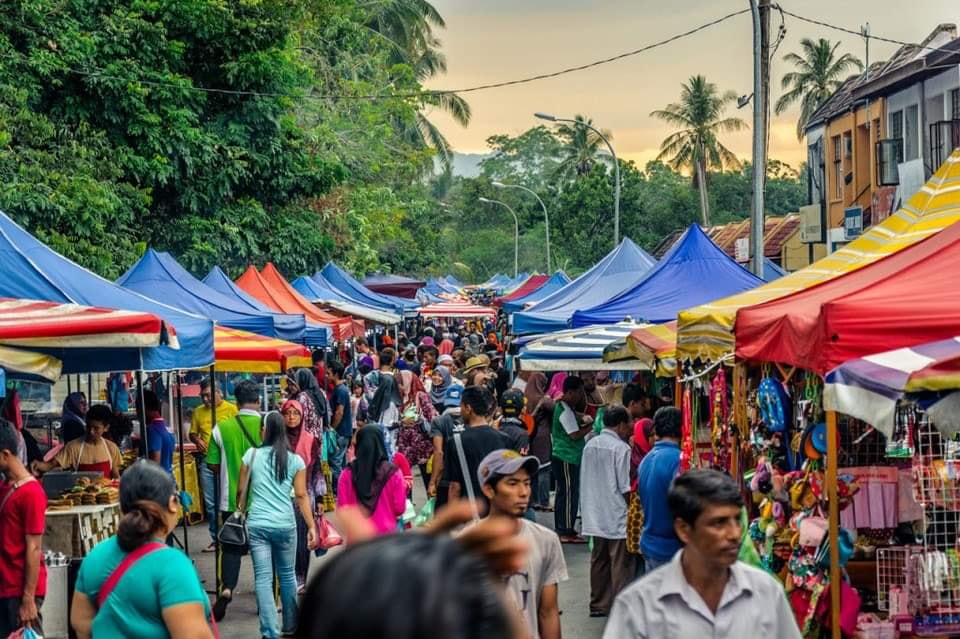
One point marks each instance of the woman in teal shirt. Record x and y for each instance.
(273, 471)
(160, 594)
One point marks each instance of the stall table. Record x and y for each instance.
(74, 532)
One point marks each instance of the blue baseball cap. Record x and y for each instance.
(453, 395)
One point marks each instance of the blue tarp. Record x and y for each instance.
(163, 278)
(34, 271)
(314, 335)
(352, 289)
(426, 297)
(319, 291)
(557, 281)
(436, 286)
(453, 281)
(619, 270)
(693, 272)
(771, 271)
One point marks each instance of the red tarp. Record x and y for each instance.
(908, 298)
(533, 283)
(286, 300)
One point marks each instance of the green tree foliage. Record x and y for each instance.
(819, 73)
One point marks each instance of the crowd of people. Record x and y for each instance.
(492, 449)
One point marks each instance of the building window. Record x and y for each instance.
(955, 104)
(837, 168)
(896, 125)
(911, 133)
(889, 155)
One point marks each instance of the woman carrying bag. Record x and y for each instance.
(309, 449)
(373, 482)
(133, 585)
(267, 475)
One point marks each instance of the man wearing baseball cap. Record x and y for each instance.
(505, 480)
(442, 429)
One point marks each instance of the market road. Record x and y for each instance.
(242, 622)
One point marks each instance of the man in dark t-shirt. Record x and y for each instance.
(511, 405)
(478, 439)
(341, 419)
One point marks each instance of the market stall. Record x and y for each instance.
(456, 310)
(344, 327)
(517, 301)
(655, 344)
(579, 349)
(320, 292)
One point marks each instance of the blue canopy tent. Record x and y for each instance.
(771, 271)
(320, 292)
(619, 270)
(159, 275)
(450, 279)
(693, 272)
(579, 349)
(314, 334)
(436, 286)
(352, 289)
(426, 297)
(557, 281)
(452, 287)
(34, 271)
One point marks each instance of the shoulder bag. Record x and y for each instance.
(467, 484)
(128, 562)
(233, 532)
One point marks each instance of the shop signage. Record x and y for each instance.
(852, 223)
(811, 224)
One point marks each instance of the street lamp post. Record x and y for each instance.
(516, 234)
(616, 168)
(546, 217)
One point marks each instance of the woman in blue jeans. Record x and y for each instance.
(271, 471)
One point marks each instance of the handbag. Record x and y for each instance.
(233, 532)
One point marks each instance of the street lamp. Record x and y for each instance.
(546, 218)
(516, 236)
(616, 168)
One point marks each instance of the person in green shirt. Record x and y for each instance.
(201, 427)
(568, 430)
(160, 594)
(230, 440)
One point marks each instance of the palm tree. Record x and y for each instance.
(407, 27)
(699, 117)
(580, 147)
(819, 74)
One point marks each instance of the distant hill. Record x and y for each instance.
(465, 164)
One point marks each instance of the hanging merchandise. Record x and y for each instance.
(719, 424)
(900, 444)
(686, 445)
(773, 401)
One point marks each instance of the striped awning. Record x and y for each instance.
(456, 310)
(52, 325)
(15, 360)
(655, 344)
(870, 387)
(242, 352)
(579, 349)
(706, 332)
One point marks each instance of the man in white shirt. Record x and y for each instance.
(704, 591)
(604, 493)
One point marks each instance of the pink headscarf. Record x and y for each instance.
(639, 437)
(556, 385)
(446, 347)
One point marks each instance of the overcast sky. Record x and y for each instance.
(494, 40)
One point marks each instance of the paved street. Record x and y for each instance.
(241, 621)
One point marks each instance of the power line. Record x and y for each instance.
(859, 34)
(103, 75)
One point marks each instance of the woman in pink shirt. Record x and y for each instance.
(373, 483)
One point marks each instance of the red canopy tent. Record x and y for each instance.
(533, 283)
(287, 300)
(908, 298)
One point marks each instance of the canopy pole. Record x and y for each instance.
(834, 527)
(183, 466)
(89, 389)
(142, 416)
(217, 554)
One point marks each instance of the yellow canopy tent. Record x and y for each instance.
(706, 332)
(653, 344)
(242, 352)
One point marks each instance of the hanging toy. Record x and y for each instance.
(719, 413)
(686, 443)
(772, 401)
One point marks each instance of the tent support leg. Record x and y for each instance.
(183, 465)
(834, 524)
(142, 416)
(217, 554)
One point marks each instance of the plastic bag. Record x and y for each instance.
(409, 513)
(25, 633)
(426, 513)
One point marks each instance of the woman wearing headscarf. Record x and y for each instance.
(309, 449)
(493, 344)
(374, 483)
(73, 419)
(539, 404)
(441, 378)
(555, 390)
(303, 387)
(416, 413)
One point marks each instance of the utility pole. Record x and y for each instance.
(761, 82)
